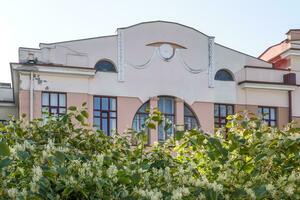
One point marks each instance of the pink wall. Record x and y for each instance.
(24, 103)
(126, 108)
(205, 114)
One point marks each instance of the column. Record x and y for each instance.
(179, 117)
(153, 133)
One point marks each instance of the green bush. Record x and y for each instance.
(64, 159)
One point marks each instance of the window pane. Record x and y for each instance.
(45, 110)
(104, 103)
(187, 111)
(104, 125)
(45, 99)
(229, 110)
(96, 113)
(161, 133)
(222, 110)
(272, 123)
(53, 99)
(104, 114)
(266, 113)
(113, 104)
(216, 110)
(97, 122)
(113, 124)
(96, 103)
(53, 111)
(62, 110)
(62, 100)
(273, 113)
(169, 106)
(113, 114)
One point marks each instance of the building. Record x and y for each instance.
(194, 81)
(286, 56)
(7, 105)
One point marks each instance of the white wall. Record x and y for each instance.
(158, 77)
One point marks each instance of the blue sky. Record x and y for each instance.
(248, 26)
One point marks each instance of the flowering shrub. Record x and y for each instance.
(64, 159)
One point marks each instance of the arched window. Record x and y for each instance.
(166, 105)
(190, 120)
(140, 117)
(223, 75)
(105, 66)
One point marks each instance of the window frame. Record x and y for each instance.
(139, 114)
(100, 117)
(106, 60)
(166, 115)
(226, 71)
(219, 123)
(54, 107)
(189, 116)
(269, 120)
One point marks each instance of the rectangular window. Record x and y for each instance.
(268, 114)
(105, 114)
(54, 103)
(221, 111)
(166, 105)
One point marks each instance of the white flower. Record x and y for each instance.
(178, 193)
(112, 171)
(271, 189)
(34, 187)
(251, 193)
(12, 192)
(289, 190)
(37, 173)
(100, 158)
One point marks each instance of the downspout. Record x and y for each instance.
(290, 79)
(31, 97)
(290, 106)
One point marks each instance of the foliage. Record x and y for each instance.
(65, 159)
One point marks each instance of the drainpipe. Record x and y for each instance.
(290, 79)
(31, 97)
(290, 106)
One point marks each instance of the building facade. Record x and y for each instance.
(194, 81)
(7, 103)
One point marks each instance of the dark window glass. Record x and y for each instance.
(139, 119)
(190, 120)
(221, 111)
(223, 75)
(54, 103)
(268, 114)
(166, 105)
(105, 66)
(105, 114)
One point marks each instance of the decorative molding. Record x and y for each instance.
(186, 66)
(144, 65)
(211, 61)
(121, 58)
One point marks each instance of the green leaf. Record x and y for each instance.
(5, 162)
(59, 156)
(83, 104)
(260, 191)
(151, 125)
(80, 118)
(4, 149)
(23, 155)
(72, 108)
(85, 113)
